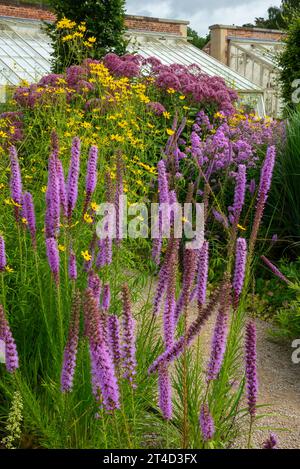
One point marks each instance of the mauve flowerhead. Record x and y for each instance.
(73, 175)
(15, 178)
(2, 254)
(53, 257)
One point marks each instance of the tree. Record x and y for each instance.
(196, 40)
(104, 20)
(279, 17)
(289, 64)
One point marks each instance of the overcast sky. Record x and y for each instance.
(203, 13)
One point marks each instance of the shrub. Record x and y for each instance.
(103, 21)
(289, 63)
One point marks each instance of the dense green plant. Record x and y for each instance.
(289, 63)
(278, 17)
(196, 40)
(104, 21)
(285, 197)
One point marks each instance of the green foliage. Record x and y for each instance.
(285, 195)
(104, 21)
(289, 63)
(196, 40)
(279, 17)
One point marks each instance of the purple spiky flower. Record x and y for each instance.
(119, 204)
(206, 423)
(15, 180)
(163, 185)
(2, 254)
(169, 355)
(72, 266)
(30, 216)
(62, 187)
(113, 328)
(94, 284)
(271, 442)
(52, 200)
(239, 193)
(275, 269)
(128, 338)
(250, 364)
(165, 392)
(218, 345)
(53, 257)
(190, 264)
(102, 364)
(106, 297)
(240, 267)
(11, 354)
(202, 275)
(91, 176)
(70, 352)
(263, 192)
(73, 175)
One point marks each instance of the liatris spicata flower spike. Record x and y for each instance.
(70, 352)
(62, 187)
(101, 361)
(53, 257)
(206, 423)
(193, 330)
(119, 199)
(54, 143)
(94, 284)
(73, 175)
(239, 193)
(263, 191)
(190, 260)
(164, 381)
(165, 392)
(271, 442)
(128, 338)
(250, 362)
(113, 329)
(202, 274)
(220, 218)
(106, 297)
(2, 255)
(274, 269)
(30, 216)
(164, 198)
(52, 200)
(252, 186)
(91, 176)
(162, 278)
(163, 185)
(219, 337)
(240, 266)
(11, 354)
(15, 180)
(72, 266)
(170, 303)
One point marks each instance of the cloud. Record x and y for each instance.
(203, 13)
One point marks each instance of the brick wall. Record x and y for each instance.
(255, 33)
(158, 25)
(221, 36)
(138, 23)
(27, 12)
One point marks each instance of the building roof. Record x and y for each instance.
(170, 49)
(25, 51)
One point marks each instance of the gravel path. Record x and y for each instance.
(279, 385)
(279, 388)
